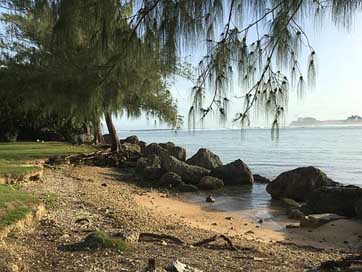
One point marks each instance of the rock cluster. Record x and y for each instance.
(319, 194)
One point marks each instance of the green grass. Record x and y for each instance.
(15, 155)
(14, 204)
(97, 240)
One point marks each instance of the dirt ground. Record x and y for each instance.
(80, 200)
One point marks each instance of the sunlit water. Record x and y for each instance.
(335, 150)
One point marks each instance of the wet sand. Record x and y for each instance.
(342, 234)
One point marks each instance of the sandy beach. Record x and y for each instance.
(82, 199)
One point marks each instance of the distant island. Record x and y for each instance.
(310, 121)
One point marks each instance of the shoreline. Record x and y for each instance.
(234, 224)
(88, 198)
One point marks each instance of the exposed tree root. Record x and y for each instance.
(214, 238)
(149, 237)
(146, 237)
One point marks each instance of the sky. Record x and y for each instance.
(337, 94)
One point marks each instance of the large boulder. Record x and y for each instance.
(340, 200)
(189, 173)
(132, 152)
(235, 173)
(205, 158)
(358, 208)
(131, 140)
(170, 179)
(166, 149)
(210, 183)
(298, 183)
(149, 167)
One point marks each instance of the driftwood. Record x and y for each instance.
(145, 237)
(214, 238)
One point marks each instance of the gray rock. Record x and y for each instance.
(131, 151)
(205, 158)
(107, 139)
(298, 183)
(149, 167)
(180, 267)
(339, 200)
(235, 173)
(187, 188)
(358, 208)
(261, 179)
(170, 179)
(210, 183)
(317, 220)
(173, 150)
(155, 149)
(210, 199)
(131, 140)
(189, 173)
(165, 149)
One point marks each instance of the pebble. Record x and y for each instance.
(210, 199)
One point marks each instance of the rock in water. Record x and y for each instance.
(339, 200)
(358, 208)
(210, 199)
(298, 183)
(205, 158)
(235, 173)
(261, 179)
(210, 183)
(189, 173)
(317, 220)
(170, 179)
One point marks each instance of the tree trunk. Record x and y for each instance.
(98, 137)
(116, 145)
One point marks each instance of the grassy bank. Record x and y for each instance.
(14, 204)
(15, 159)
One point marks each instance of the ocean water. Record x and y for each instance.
(335, 150)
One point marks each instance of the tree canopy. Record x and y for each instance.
(111, 44)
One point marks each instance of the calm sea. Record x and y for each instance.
(335, 150)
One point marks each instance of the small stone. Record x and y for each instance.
(164, 243)
(260, 221)
(104, 184)
(210, 199)
(228, 218)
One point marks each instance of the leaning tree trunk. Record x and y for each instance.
(115, 145)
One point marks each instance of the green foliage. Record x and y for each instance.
(97, 240)
(67, 63)
(108, 45)
(14, 205)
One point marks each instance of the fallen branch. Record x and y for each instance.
(214, 238)
(144, 237)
